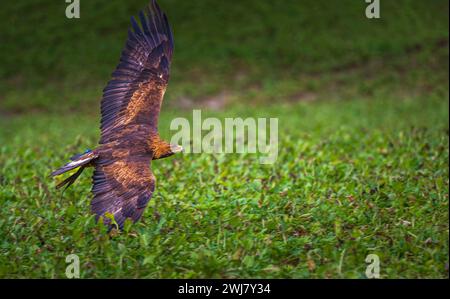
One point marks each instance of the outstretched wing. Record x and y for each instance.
(123, 182)
(122, 187)
(134, 95)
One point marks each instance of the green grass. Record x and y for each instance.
(352, 178)
(363, 150)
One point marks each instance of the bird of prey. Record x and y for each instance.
(123, 182)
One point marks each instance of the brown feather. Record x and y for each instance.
(123, 182)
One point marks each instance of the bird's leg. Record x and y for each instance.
(162, 149)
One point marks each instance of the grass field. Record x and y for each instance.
(363, 150)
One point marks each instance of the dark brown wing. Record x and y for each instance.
(134, 95)
(123, 182)
(122, 187)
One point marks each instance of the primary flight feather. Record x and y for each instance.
(123, 182)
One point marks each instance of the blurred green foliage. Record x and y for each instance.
(245, 45)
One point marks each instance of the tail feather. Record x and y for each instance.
(78, 156)
(78, 161)
(70, 180)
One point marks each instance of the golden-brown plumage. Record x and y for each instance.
(123, 182)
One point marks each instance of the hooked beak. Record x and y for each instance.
(176, 148)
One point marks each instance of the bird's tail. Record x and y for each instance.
(80, 161)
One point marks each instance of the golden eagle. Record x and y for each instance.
(123, 182)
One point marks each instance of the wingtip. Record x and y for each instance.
(135, 25)
(155, 4)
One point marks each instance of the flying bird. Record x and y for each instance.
(123, 182)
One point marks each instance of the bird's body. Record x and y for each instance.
(123, 182)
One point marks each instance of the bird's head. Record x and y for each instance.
(172, 149)
(164, 149)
